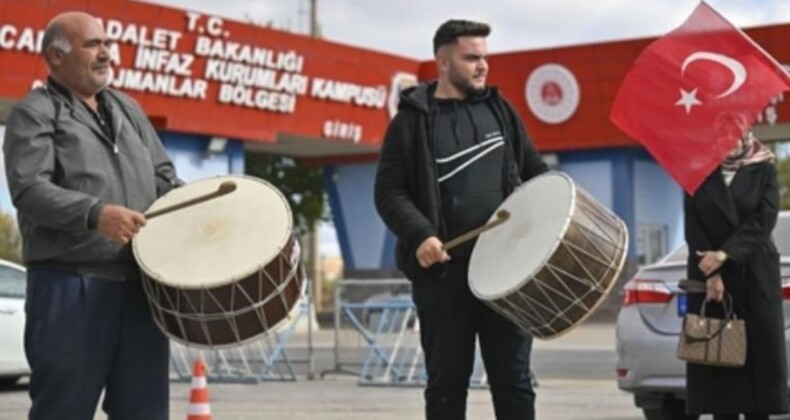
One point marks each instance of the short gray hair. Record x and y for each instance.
(54, 37)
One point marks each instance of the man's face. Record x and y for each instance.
(86, 68)
(467, 67)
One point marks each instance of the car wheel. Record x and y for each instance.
(668, 409)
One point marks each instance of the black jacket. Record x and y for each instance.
(739, 220)
(406, 189)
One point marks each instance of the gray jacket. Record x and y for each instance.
(62, 168)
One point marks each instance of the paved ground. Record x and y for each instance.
(575, 374)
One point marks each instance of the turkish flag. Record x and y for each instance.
(692, 93)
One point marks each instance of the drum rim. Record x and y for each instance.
(279, 249)
(554, 246)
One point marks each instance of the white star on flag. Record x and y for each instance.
(688, 99)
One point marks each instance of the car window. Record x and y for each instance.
(12, 282)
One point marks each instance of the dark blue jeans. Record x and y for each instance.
(450, 319)
(84, 335)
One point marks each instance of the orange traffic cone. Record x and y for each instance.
(199, 408)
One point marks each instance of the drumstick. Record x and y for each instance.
(501, 217)
(226, 187)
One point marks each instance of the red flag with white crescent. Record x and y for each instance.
(692, 93)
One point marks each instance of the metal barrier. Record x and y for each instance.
(382, 317)
(264, 359)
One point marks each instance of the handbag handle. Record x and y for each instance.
(729, 316)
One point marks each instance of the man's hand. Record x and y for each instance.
(430, 252)
(709, 262)
(714, 288)
(119, 223)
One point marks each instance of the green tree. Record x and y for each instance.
(10, 241)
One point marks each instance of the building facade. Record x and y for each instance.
(217, 89)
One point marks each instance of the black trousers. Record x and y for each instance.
(450, 319)
(84, 335)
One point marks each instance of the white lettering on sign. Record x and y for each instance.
(256, 98)
(164, 61)
(335, 129)
(252, 76)
(214, 26)
(770, 115)
(288, 61)
(27, 39)
(366, 96)
(241, 74)
(192, 21)
(115, 54)
(160, 83)
(163, 39)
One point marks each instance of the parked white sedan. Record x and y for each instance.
(13, 364)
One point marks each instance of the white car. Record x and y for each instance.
(13, 363)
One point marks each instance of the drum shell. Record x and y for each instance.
(576, 278)
(232, 313)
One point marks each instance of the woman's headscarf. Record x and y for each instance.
(750, 152)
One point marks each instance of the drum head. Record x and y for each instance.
(216, 242)
(506, 257)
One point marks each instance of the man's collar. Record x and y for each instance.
(60, 89)
(67, 93)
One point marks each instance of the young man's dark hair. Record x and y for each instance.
(449, 32)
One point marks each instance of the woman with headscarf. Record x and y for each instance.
(728, 224)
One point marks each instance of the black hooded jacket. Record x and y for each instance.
(407, 193)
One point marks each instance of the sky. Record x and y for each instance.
(406, 27)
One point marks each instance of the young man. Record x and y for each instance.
(451, 155)
(83, 163)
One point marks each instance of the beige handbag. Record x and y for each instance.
(713, 341)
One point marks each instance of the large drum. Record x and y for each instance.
(221, 272)
(554, 261)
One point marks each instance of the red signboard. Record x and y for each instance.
(202, 74)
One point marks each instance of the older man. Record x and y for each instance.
(83, 162)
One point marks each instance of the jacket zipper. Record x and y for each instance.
(118, 166)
